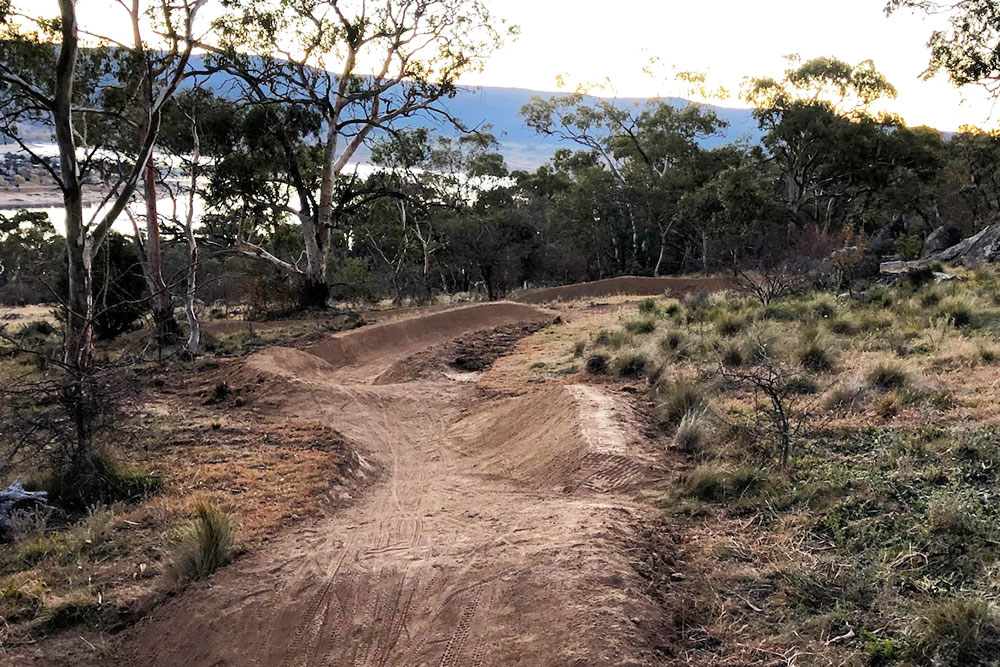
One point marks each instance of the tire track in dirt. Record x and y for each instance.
(486, 544)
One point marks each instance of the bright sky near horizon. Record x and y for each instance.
(593, 40)
(590, 40)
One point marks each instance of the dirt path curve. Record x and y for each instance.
(496, 538)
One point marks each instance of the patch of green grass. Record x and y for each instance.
(814, 352)
(100, 479)
(707, 482)
(74, 609)
(729, 324)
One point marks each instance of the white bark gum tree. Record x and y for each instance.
(361, 66)
(51, 97)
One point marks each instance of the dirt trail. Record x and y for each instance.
(496, 537)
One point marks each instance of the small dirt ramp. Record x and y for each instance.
(364, 353)
(560, 438)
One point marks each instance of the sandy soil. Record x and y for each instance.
(631, 285)
(498, 536)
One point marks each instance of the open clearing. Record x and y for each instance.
(497, 534)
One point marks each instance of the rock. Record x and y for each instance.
(940, 239)
(12, 316)
(983, 247)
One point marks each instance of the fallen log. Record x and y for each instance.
(13, 496)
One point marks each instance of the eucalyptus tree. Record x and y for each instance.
(821, 133)
(54, 74)
(649, 150)
(968, 50)
(359, 66)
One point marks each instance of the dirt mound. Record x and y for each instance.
(379, 346)
(560, 438)
(625, 285)
(469, 354)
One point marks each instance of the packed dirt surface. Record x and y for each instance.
(498, 535)
(631, 285)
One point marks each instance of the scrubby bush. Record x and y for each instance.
(823, 306)
(747, 479)
(579, 347)
(673, 342)
(100, 478)
(630, 364)
(846, 396)
(204, 546)
(802, 384)
(732, 355)
(706, 482)
(648, 306)
(614, 339)
(677, 400)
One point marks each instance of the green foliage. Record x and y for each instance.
(99, 478)
(729, 324)
(813, 352)
(706, 482)
(957, 311)
(204, 546)
(909, 246)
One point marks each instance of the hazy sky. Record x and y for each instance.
(589, 40)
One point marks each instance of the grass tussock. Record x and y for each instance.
(888, 375)
(694, 432)
(677, 399)
(631, 365)
(204, 546)
(597, 363)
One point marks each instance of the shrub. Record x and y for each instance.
(729, 324)
(814, 353)
(732, 355)
(632, 365)
(951, 517)
(746, 480)
(888, 375)
(823, 307)
(597, 363)
(672, 342)
(888, 404)
(613, 339)
(842, 326)
(648, 306)
(987, 355)
(960, 631)
(706, 482)
(74, 609)
(102, 479)
(957, 311)
(930, 299)
(693, 432)
(579, 347)
(204, 546)
(672, 307)
(909, 246)
(678, 400)
(641, 325)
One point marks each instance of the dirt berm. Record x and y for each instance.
(624, 285)
(499, 535)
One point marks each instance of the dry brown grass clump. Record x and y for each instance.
(204, 546)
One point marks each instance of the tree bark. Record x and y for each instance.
(194, 326)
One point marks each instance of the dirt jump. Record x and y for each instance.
(497, 534)
(630, 285)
